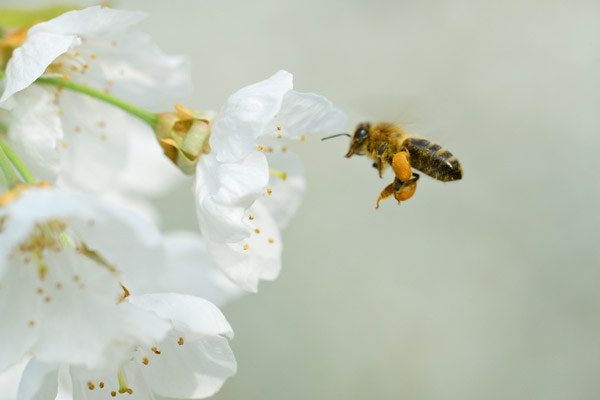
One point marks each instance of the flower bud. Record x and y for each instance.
(183, 135)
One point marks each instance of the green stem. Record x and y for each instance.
(9, 173)
(17, 163)
(147, 116)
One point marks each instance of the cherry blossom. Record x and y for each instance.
(248, 188)
(67, 137)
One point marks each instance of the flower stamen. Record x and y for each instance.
(122, 384)
(279, 174)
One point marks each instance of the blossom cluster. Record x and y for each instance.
(95, 300)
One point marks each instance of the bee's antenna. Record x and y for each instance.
(339, 134)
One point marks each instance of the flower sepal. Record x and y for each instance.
(183, 136)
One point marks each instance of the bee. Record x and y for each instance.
(388, 145)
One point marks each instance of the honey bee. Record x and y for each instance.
(388, 144)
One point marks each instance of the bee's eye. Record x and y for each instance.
(360, 134)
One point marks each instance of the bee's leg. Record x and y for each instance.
(406, 190)
(379, 158)
(401, 166)
(385, 193)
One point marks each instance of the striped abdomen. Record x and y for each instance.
(433, 160)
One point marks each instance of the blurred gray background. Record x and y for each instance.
(481, 289)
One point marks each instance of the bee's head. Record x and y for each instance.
(359, 139)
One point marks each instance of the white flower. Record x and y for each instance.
(191, 361)
(248, 188)
(74, 139)
(67, 266)
(63, 259)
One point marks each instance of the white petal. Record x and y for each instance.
(195, 358)
(245, 115)
(128, 242)
(94, 150)
(10, 378)
(286, 195)
(138, 71)
(133, 203)
(19, 305)
(224, 191)
(191, 270)
(35, 132)
(261, 260)
(29, 61)
(194, 370)
(142, 325)
(185, 312)
(147, 171)
(89, 23)
(72, 321)
(305, 114)
(39, 382)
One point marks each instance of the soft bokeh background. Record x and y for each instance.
(481, 289)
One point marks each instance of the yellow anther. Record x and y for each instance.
(31, 323)
(278, 127)
(101, 124)
(279, 174)
(64, 144)
(114, 43)
(180, 341)
(257, 230)
(103, 136)
(250, 217)
(259, 147)
(269, 191)
(77, 129)
(101, 384)
(271, 240)
(246, 246)
(145, 361)
(91, 385)
(93, 56)
(303, 138)
(125, 292)
(279, 136)
(60, 111)
(65, 77)
(76, 54)
(284, 149)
